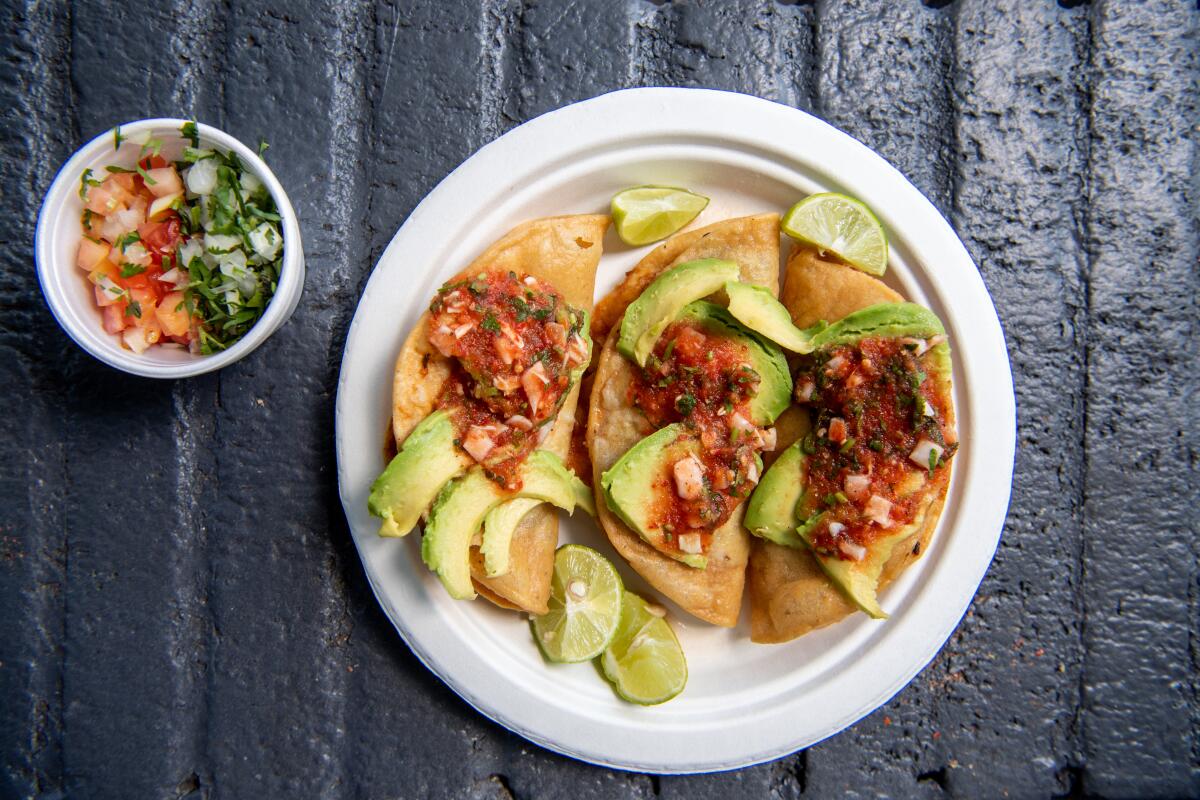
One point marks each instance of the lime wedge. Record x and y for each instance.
(645, 214)
(644, 662)
(584, 608)
(835, 223)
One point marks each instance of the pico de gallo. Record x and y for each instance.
(180, 254)
(706, 382)
(880, 434)
(516, 347)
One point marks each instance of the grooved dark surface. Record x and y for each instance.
(184, 612)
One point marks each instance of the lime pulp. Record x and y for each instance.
(835, 223)
(644, 662)
(584, 607)
(646, 214)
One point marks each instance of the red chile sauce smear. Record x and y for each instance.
(495, 328)
(874, 388)
(703, 381)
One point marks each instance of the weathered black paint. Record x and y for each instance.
(211, 633)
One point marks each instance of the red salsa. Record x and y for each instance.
(706, 382)
(879, 435)
(515, 347)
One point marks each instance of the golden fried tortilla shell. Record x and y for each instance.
(713, 594)
(789, 593)
(564, 252)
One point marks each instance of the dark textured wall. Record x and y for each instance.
(183, 611)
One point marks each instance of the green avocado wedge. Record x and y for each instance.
(859, 580)
(775, 386)
(656, 307)
(462, 505)
(501, 523)
(884, 320)
(427, 461)
(774, 509)
(756, 308)
(633, 484)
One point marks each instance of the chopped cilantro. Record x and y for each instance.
(846, 445)
(85, 181)
(117, 138)
(933, 460)
(670, 348)
(262, 147)
(189, 131)
(134, 309)
(522, 309)
(490, 323)
(685, 403)
(129, 270)
(542, 314)
(876, 445)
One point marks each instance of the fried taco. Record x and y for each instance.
(681, 410)
(855, 498)
(484, 396)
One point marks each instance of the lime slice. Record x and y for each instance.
(585, 606)
(645, 214)
(644, 662)
(835, 223)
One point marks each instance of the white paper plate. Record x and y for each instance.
(744, 703)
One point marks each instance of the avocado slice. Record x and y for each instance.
(649, 315)
(501, 523)
(884, 320)
(426, 462)
(462, 505)
(775, 389)
(859, 580)
(773, 511)
(757, 309)
(632, 485)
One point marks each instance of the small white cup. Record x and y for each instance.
(71, 296)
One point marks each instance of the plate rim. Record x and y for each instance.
(739, 110)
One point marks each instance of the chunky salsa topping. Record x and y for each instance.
(516, 348)
(706, 382)
(180, 254)
(879, 434)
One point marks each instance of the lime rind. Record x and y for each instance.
(841, 225)
(646, 214)
(644, 662)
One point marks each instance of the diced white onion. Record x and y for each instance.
(520, 422)
(920, 453)
(201, 177)
(834, 364)
(135, 339)
(804, 391)
(463, 330)
(770, 437)
(266, 241)
(857, 486)
(689, 477)
(879, 510)
(836, 528)
(752, 472)
(189, 250)
(690, 543)
(220, 244)
(855, 551)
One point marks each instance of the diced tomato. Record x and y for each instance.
(114, 318)
(126, 180)
(166, 181)
(153, 162)
(161, 237)
(91, 254)
(173, 315)
(106, 199)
